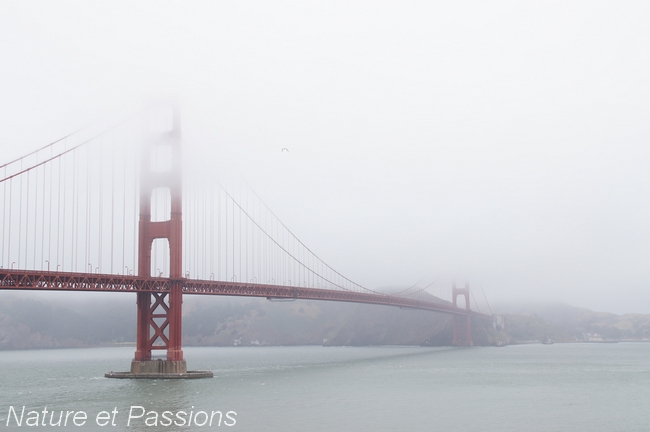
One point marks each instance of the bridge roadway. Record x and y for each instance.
(61, 281)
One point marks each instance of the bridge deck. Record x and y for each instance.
(59, 281)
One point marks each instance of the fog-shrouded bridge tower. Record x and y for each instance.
(159, 314)
(462, 323)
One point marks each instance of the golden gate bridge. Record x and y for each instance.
(110, 208)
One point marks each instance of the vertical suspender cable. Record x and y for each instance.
(20, 217)
(26, 264)
(4, 219)
(211, 232)
(75, 206)
(218, 234)
(64, 218)
(226, 235)
(11, 191)
(49, 228)
(36, 219)
(123, 268)
(111, 269)
(88, 210)
(233, 239)
(241, 276)
(101, 203)
(58, 212)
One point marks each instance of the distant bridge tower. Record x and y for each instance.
(160, 313)
(462, 323)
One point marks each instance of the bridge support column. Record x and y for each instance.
(174, 347)
(143, 350)
(160, 312)
(462, 323)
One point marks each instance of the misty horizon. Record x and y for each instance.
(503, 145)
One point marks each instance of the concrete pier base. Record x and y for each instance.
(159, 369)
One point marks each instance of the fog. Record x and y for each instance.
(504, 144)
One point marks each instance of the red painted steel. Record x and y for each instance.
(168, 307)
(34, 280)
(59, 281)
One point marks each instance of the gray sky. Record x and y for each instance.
(501, 143)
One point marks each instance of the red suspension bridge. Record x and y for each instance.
(85, 213)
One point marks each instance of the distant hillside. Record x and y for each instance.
(568, 323)
(27, 323)
(211, 322)
(31, 323)
(35, 322)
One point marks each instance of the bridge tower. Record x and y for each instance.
(462, 323)
(160, 313)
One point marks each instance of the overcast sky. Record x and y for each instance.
(506, 144)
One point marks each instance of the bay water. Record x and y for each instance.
(560, 387)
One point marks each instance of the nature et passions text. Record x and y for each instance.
(134, 416)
